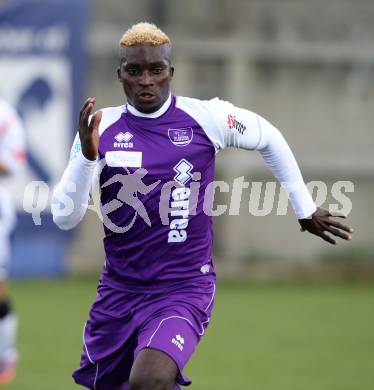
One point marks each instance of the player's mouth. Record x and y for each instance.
(146, 97)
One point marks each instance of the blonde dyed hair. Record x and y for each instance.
(144, 34)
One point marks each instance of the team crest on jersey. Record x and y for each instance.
(181, 137)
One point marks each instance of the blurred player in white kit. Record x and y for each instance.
(12, 158)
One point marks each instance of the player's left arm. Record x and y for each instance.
(322, 222)
(281, 161)
(244, 129)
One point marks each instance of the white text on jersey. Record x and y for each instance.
(179, 214)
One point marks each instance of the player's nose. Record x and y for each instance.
(146, 79)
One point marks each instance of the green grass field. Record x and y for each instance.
(262, 336)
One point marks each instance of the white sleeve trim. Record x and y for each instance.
(71, 195)
(282, 163)
(109, 116)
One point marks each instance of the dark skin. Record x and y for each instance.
(153, 370)
(145, 73)
(322, 222)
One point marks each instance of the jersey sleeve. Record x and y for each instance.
(71, 195)
(230, 126)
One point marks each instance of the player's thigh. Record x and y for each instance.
(153, 370)
(175, 336)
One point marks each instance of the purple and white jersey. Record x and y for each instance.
(156, 175)
(167, 236)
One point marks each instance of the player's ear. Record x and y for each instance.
(119, 73)
(171, 72)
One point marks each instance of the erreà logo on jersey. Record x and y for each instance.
(122, 140)
(180, 203)
(232, 122)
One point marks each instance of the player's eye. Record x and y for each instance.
(157, 70)
(132, 71)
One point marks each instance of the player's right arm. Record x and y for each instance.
(89, 130)
(71, 194)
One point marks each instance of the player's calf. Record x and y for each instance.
(153, 370)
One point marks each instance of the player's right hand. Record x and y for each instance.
(88, 132)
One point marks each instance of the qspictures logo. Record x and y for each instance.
(232, 122)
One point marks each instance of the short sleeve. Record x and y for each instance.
(234, 127)
(225, 124)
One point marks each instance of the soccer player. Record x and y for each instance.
(12, 157)
(155, 157)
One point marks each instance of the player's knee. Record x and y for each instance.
(149, 380)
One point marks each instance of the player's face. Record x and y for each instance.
(145, 74)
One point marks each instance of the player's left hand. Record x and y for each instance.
(322, 222)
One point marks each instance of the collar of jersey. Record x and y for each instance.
(155, 114)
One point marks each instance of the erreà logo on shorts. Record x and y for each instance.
(232, 122)
(178, 340)
(122, 140)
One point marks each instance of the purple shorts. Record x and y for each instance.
(121, 324)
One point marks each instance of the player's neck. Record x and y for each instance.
(155, 114)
